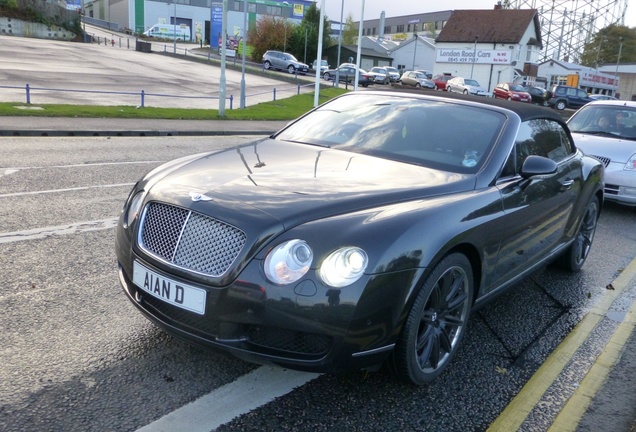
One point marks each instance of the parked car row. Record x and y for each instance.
(561, 96)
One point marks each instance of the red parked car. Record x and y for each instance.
(440, 81)
(511, 91)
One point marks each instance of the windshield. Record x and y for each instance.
(471, 82)
(402, 128)
(515, 87)
(616, 120)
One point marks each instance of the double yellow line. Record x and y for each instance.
(570, 415)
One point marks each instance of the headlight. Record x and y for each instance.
(631, 164)
(343, 267)
(134, 207)
(288, 262)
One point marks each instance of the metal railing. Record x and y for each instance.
(29, 92)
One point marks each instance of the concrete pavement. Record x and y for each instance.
(69, 126)
(607, 396)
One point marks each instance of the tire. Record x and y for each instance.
(418, 85)
(436, 88)
(327, 76)
(561, 105)
(575, 255)
(291, 69)
(465, 91)
(436, 322)
(267, 65)
(386, 81)
(509, 98)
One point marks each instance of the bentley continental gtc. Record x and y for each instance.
(362, 234)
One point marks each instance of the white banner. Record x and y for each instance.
(452, 55)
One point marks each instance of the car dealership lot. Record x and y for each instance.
(77, 356)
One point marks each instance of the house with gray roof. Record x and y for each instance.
(491, 46)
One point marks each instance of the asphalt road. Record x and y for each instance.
(77, 356)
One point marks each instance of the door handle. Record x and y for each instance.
(566, 185)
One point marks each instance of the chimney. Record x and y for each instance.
(381, 34)
(498, 6)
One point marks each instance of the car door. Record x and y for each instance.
(537, 210)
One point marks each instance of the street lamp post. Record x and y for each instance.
(620, 49)
(285, 24)
(339, 44)
(414, 49)
(242, 102)
(472, 66)
(174, 27)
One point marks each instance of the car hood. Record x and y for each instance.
(295, 183)
(615, 148)
(476, 89)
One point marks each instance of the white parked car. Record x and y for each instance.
(606, 130)
(465, 86)
(323, 66)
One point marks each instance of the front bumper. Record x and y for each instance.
(620, 185)
(305, 327)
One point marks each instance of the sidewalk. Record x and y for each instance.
(607, 397)
(68, 126)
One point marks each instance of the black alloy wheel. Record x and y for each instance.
(436, 322)
(575, 255)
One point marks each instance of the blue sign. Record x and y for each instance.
(216, 25)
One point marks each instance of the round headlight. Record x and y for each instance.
(134, 207)
(288, 262)
(343, 267)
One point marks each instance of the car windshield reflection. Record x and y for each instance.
(403, 129)
(616, 120)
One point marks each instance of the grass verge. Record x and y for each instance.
(282, 109)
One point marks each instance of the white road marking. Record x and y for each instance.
(221, 406)
(40, 233)
(14, 194)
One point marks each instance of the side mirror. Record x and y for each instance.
(537, 166)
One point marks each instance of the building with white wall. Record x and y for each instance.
(202, 16)
(491, 46)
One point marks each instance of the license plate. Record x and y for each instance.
(176, 293)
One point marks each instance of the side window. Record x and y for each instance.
(581, 94)
(540, 137)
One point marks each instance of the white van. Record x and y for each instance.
(167, 31)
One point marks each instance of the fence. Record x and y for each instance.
(29, 91)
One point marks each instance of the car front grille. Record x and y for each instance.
(604, 160)
(189, 240)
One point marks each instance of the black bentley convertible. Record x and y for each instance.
(361, 234)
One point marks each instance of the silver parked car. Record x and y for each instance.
(465, 86)
(380, 75)
(283, 61)
(606, 130)
(394, 74)
(416, 79)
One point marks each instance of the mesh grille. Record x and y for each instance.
(190, 240)
(604, 160)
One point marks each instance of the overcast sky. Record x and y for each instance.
(392, 8)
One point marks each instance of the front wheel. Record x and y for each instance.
(327, 76)
(436, 322)
(560, 105)
(575, 255)
(267, 65)
(418, 85)
(465, 91)
(291, 69)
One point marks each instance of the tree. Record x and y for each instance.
(306, 35)
(270, 33)
(350, 32)
(604, 47)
